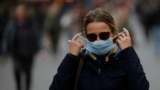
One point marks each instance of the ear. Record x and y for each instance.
(84, 33)
(115, 32)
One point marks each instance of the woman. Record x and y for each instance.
(107, 65)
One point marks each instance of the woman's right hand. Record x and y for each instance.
(75, 45)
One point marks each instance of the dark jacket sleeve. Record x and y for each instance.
(38, 37)
(7, 37)
(64, 79)
(135, 75)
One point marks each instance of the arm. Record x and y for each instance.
(64, 79)
(135, 75)
(38, 35)
(6, 37)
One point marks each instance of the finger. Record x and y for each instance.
(126, 31)
(120, 37)
(75, 37)
(81, 44)
(123, 35)
(118, 40)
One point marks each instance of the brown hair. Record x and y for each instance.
(99, 15)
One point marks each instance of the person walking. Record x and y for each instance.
(22, 39)
(109, 61)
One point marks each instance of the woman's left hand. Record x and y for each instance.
(124, 40)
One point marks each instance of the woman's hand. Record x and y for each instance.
(75, 45)
(124, 40)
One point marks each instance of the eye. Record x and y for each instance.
(91, 37)
(104, 35)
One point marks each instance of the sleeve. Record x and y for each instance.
(38, 35)
(64, 79)
(6, 36)
(135, 75)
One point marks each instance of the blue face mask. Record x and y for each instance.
(100, 47)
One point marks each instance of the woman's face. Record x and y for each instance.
(98, 31)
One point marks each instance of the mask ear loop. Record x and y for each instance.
(115, 37)
(83, 33)
(82, 36)
(118, 34)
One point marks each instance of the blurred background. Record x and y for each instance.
(58, 20)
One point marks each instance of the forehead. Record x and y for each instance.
(20, 8)
(96, 27)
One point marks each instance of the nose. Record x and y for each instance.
(98, 38)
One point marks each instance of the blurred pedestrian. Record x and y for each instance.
(52, 27)
(105, 63)
(22, 39)
(4, 16)
(71, 21)
(149, 16)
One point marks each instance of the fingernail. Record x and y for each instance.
(124, 28)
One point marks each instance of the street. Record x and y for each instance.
(45, 65)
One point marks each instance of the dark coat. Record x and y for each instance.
(21, 38)
(123, 72)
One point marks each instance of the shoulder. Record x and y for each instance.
(10, 26)
(11, 23)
